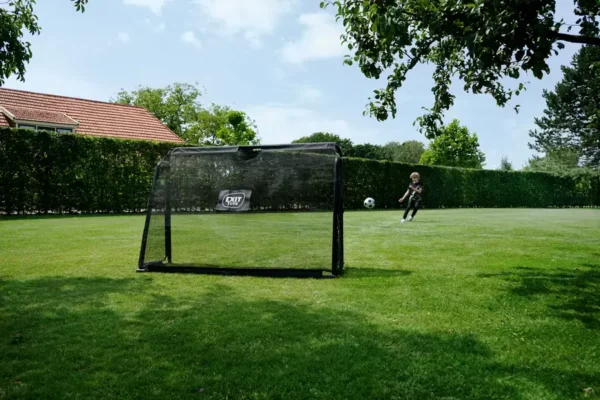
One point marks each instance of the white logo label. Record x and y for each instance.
(234, 200)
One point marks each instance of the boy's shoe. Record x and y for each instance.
(410, 219)
(403, 221)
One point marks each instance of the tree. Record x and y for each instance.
(557, 161)
(176, 106)
(369, 151)
(572, 115)
(505, 165)
(455, 146)
(15, 52)
(409, 152)
(322, 137)
(179, 108)
(478, 41)
(221, 126)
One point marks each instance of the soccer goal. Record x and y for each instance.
(252, 210)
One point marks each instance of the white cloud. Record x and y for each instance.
(156, 28)
(280, 123)
(190, 38)
(308, 94)
(253, 39)
(252, 18)
(320, 39)
(155, 6)
(279, 73)
(124, 37)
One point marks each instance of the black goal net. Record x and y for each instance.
(258, 210)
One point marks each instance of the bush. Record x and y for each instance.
(447, 187)
(43, 172)
(47, 172)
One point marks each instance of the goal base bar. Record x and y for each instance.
(262, 272)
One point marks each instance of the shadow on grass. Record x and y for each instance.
(360, 272)
(117, 338)
(33, 217)
(571, 294)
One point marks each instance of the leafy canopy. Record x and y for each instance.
(572, 116)
(176, 105)
(455, 146)
(326, 137)
(15, 17)
(478, 41)
(409, 152)
(557, 161)
(222, 126)
(505, 164)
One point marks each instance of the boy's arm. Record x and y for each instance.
(405, 195)
(418, 190)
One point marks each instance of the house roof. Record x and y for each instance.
(94, 118)
(35, 115)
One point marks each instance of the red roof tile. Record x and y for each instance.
(95, 118)
(3, 120)
(37, 115)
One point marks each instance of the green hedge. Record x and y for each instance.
(45, 172)
(447, 187)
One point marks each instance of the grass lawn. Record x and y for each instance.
(460, 304)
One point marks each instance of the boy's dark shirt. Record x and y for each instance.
(415, 195)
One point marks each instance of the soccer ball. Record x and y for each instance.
(369, 202)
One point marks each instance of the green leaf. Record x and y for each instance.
(519, 55)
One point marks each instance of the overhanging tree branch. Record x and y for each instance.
(567, 37)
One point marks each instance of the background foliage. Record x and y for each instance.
(16, 17)
(178, 106)
(47, 172)
(455, 146)
(447, 187)
(408, 152)
(571, 120)
(481, 42)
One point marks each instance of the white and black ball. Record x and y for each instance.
(369, 202)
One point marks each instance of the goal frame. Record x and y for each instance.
(337, 237)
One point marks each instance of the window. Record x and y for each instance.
(45, 128)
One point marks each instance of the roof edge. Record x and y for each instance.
(70, 97)
(7, 113)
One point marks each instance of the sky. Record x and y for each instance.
(278, 60)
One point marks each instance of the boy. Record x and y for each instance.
(414, 201)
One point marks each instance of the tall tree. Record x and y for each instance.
(369, 151)
(221, 126)
(572, 115)
(176, 106)
(322, 137)
(556, 161)
(505, 164)
(455, 146)
(15, 17)
(478, 41)
(409, 152)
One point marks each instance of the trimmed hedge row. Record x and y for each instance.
(46, 172)
(446, 187)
